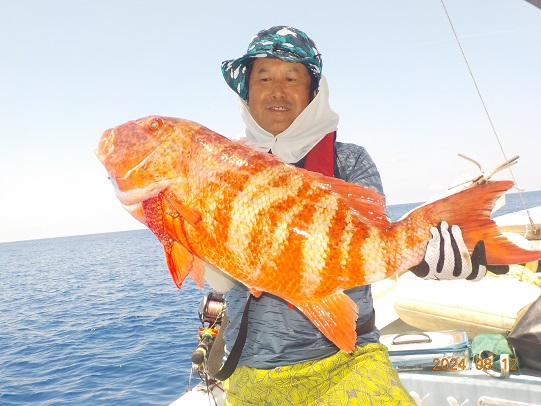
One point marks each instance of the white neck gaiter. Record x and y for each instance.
(316, 121)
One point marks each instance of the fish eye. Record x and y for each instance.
(155, 124)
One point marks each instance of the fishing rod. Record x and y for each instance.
(508, 162)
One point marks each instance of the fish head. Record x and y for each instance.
(143, 157)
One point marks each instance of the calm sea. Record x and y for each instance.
(96, 319)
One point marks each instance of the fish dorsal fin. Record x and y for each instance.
(335, 317)
(367, 202)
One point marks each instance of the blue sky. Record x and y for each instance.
(71, 69)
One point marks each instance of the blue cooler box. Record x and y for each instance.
(446, 351)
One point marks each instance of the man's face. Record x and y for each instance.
(278, 92)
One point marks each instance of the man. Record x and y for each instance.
(286, 359)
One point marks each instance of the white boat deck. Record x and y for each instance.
(469, 387)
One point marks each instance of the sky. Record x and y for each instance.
(69, 70)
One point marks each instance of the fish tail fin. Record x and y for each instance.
(470, 209)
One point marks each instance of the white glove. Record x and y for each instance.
(447, 256)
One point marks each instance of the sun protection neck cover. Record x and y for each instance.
(316, 121)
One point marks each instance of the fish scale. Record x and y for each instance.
(276, 228)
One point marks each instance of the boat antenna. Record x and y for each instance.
(536, 230)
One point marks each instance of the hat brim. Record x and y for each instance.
(235, 71)
(235, 74)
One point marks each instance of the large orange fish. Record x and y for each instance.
(276, 228)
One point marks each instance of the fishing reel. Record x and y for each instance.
(211, 310)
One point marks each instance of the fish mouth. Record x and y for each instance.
(126, 191)
(105, 145)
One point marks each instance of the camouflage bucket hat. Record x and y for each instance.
(285, 43)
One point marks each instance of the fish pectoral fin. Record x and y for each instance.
(182, 263)
(174, 226)
(198, 272)
(368, 203)
(335, 317)
(191, 216)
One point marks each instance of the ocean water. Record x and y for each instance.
(97, 320)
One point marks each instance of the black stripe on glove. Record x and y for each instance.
(447, 256)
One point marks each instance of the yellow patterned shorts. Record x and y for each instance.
(364, 378)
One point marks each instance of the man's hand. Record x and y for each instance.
(447, 256)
